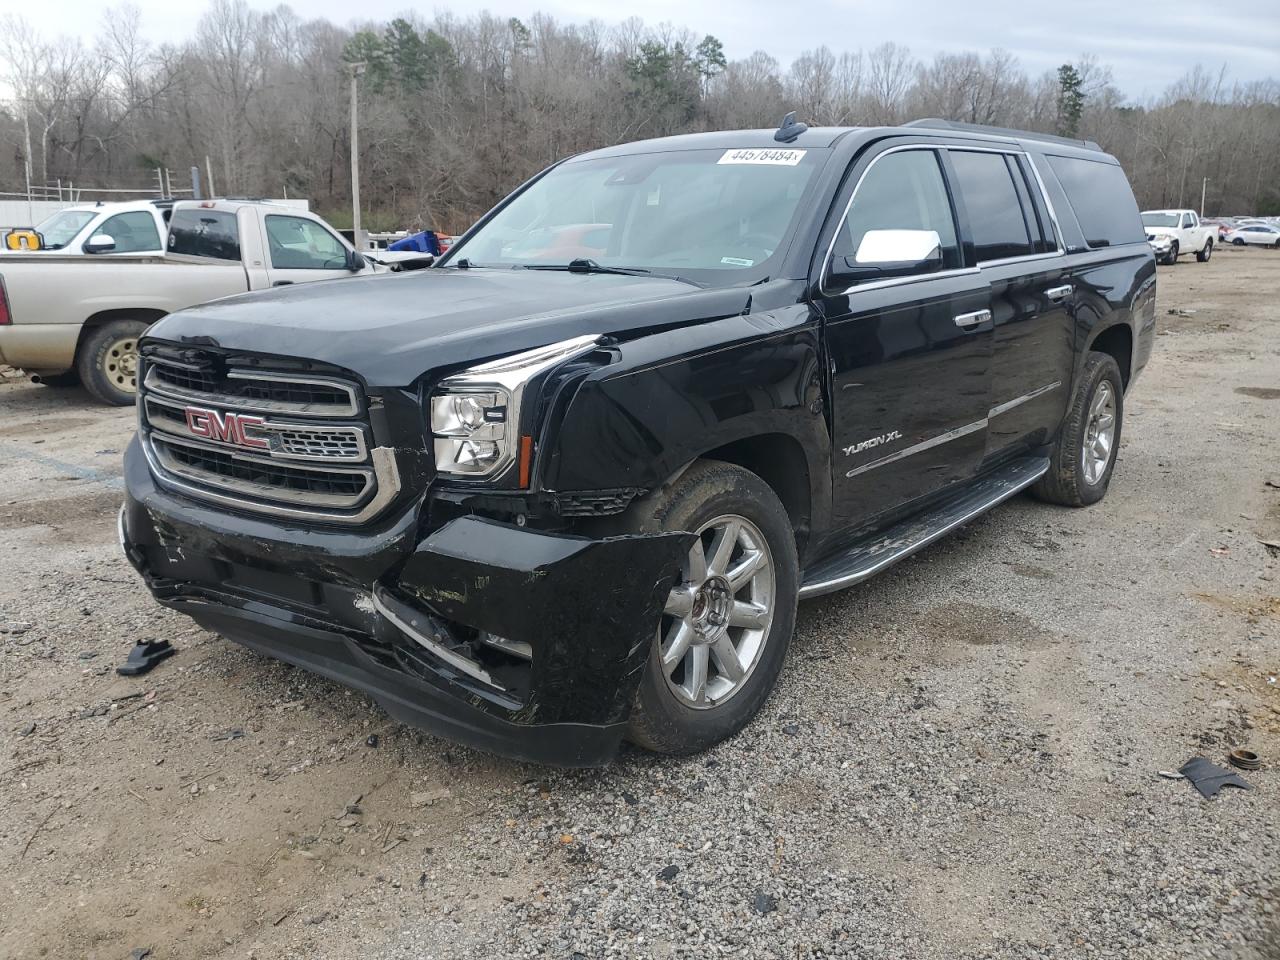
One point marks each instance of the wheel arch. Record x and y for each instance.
(1116, 341)
(147, 315)
(779, 460)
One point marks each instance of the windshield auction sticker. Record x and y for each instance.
(774, 158)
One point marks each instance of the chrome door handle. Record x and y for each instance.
(1060, 293)
(966, 320)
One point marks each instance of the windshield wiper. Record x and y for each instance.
(587, 265)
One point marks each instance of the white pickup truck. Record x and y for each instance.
(1173, 232)
(134, 226)
(68, 316)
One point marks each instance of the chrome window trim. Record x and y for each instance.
(844, 216)
(1044, 195)
(355, 432)
(329, 411)
(962, 271)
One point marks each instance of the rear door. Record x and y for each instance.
(910, 356)
(1017, 250)
(299, 250)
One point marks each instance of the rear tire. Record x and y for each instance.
(1204, 255)
(1084, 454)
(107, 361)
(746, 598)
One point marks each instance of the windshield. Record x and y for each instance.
(1159, 219)
(59, 230)
(711, 216)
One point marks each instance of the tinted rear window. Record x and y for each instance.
(994, 207)
(204, 233)
(1103, 203)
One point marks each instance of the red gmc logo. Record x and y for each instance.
(225, 427)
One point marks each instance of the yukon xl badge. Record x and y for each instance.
(872, 442)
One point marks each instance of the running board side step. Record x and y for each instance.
(887, 547)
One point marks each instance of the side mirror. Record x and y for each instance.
(355, 261)
(889, 253)
(100, 243)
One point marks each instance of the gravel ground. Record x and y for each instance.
(961, 760)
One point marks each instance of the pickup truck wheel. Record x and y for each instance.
(107, 361)
(1084, 455)
(1204, 255)
(1172, 258)
(728, 621)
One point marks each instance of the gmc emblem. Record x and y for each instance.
(225, 427)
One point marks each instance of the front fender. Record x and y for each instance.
(674, 396)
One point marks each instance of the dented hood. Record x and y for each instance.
(392, 328)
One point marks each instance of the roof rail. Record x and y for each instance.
(936, 123)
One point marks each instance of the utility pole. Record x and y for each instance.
(357, 71)
(1204, 185)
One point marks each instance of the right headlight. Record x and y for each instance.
(475, 415)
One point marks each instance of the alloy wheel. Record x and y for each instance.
(717, 617)
(1100, 434)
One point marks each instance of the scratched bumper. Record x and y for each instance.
(584, 610)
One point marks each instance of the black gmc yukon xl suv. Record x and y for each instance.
(568, 485)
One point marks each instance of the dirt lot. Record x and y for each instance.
(961, 761)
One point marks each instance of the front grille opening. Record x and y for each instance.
(201, 381)
(275, 477)
(281, 391)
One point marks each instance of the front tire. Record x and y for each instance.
(1237, 242)
(1204, 255)
(1084, 455)
(729, 618)
(1172, 258)
(107, 361)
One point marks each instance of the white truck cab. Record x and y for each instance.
(105, 229)
(1174, 232)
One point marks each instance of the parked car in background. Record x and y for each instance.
(1219, 226)
(105, 229)
(1258, 234)
(538, 501)
(1183, 232)
(66, 313)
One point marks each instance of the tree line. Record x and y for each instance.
(455, 111)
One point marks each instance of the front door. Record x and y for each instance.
(910, 355)
(300, 250)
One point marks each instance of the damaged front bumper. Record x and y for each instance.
(520, 642)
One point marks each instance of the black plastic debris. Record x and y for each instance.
(1209, 778)
(764, 903)
(144, 656)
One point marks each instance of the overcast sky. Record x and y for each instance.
(1148, 45)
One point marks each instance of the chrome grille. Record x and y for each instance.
(295, 441)
(283, 443)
